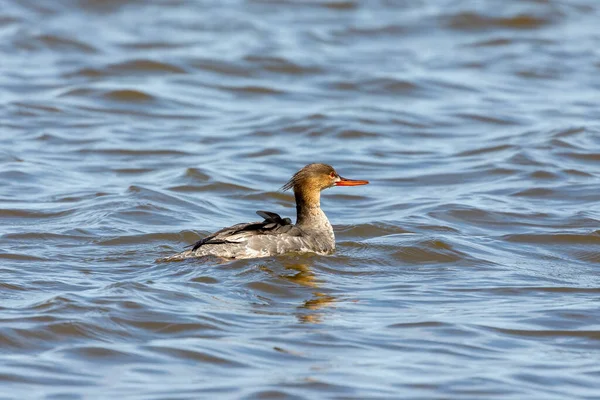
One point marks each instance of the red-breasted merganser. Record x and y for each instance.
(275, 235)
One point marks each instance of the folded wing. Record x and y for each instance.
(272, 225)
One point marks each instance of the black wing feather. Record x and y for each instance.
(272, 223)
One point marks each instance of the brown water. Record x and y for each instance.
(468, 269)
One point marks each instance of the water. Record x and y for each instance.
(468, 268)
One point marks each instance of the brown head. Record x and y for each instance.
(315, 177)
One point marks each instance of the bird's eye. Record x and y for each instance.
(332, 175)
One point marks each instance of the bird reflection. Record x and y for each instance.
(311, 310)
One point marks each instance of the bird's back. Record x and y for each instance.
(274, 235)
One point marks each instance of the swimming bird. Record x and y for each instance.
(312, 231)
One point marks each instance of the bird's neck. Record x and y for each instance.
(308, 209)
(312, 220)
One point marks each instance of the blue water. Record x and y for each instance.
(467, 269)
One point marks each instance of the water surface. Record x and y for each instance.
(469, 268)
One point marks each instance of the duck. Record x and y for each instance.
(312, 232)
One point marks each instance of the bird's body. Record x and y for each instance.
(275, 235)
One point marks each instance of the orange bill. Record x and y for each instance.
(350, 182)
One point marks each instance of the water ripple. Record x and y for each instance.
(467, 269)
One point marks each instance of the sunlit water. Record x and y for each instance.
(468, 268)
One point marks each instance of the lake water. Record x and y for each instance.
(468, 269)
